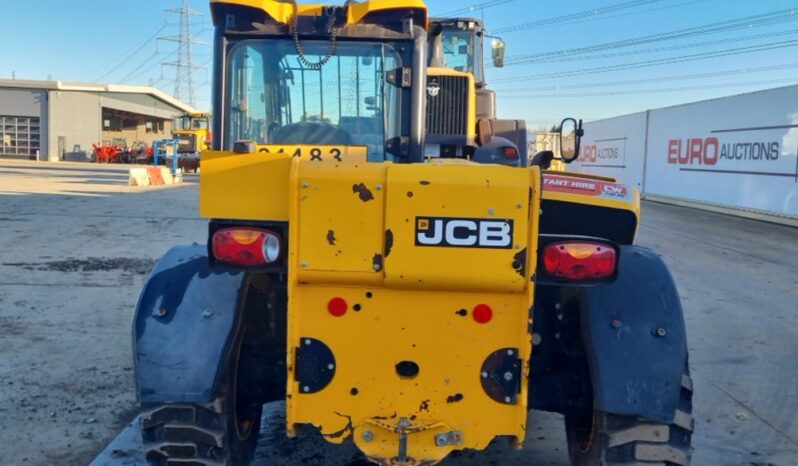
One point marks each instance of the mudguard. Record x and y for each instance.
(635, 338)
(184, 324)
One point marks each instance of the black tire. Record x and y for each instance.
(596, 438)
(222, 433)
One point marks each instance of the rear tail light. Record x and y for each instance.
(580, 260)
(510, 153)
(246, 246)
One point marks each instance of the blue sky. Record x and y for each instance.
(90, 40)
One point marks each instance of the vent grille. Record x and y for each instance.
(447, 105)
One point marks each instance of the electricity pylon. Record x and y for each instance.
(185, 66)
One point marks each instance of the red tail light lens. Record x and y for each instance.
(580, 260)
(511, 153)
(245, 246)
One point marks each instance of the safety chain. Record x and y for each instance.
(331, 30)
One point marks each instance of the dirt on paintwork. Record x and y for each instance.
(92, 264)
(363, 192)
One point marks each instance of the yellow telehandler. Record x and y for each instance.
(371, 261)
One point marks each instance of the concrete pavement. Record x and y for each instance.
(75, 245)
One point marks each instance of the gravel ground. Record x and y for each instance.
(76, 245)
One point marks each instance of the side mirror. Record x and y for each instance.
(571, 133)
(498, 47)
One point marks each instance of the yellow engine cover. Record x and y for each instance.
(391, 270)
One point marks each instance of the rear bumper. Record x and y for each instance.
(466, 385)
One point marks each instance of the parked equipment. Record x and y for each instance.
(140, 153)
(106, 152)
(391, 294)
(456, 61)
(193, 131)
(165, 153)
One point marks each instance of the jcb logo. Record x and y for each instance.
(464, 232)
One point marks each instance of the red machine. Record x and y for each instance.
(106, 153)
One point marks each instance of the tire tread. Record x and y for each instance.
(632, 441)
(169, 435)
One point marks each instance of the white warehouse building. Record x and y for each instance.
(56, 120)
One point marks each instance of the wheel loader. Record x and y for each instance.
(194, 133)
(371, 263)
(456, 51)
(193, 130)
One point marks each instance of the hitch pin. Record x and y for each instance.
(402, 425)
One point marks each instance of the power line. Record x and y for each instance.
(714, 74)
(574, 16)
(652, 91)
(478, 6)
(133, 52)
(138, 72)
(656, 62)
(630, 13)
(766, 19)
(670, 47)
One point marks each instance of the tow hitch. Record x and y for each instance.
(403, 443)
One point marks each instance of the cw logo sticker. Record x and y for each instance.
(615, 190)
(464, 232)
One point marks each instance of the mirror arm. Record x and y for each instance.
(579, 133)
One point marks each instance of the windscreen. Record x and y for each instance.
(462, 52)
(199, 123)
(182, 123)
(274, 97)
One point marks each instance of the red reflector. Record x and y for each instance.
(245, 246)
(337, 307)
(482, 313)
(511, 153)
(580, 260)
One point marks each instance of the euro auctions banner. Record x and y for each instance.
(737, 151)
(614, 147)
